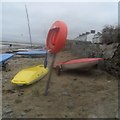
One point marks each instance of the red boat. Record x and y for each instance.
(82, 64)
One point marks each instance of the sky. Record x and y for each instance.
(79, 17)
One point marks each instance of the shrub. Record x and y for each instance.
(110, 34)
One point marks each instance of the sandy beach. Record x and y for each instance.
(73, 94)
(85, 36)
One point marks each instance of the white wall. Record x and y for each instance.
(90, 37)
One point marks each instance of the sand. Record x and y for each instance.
(73, 94)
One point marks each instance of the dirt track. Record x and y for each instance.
(76, 94)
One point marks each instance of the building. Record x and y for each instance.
(97, 38)
(81, 37)
(88, 36)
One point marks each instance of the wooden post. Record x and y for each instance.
(50, 74)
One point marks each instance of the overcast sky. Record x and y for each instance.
(79, 17)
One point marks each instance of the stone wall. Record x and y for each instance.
(110, 53)
(83, 48)
(112, 59)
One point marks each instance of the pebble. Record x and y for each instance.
(116, 116)
(7, 110)
(28, 110)
(92, 116)
(66, 116)
(65, 93)
(18, 101)
(22, 113)
(10, 91)
(21, 93)
(4, 81)
(49, 100)
(7, 105)
(75, 79)
(70, 106)
(39, 114)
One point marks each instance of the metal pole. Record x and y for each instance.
(28, 25)
(49, 76)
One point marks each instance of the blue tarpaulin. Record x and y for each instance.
(5, 57)
(32, 53)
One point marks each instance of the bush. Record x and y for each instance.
(110, 34)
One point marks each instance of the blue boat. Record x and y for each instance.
(33, 52)
(5, 57)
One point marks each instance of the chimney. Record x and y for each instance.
(92, 31)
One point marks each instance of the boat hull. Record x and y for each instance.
(30, 75)
(84, 63)
(79, 65)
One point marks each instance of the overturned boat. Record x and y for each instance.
(81, 64)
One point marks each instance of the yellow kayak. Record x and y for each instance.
(30, 75)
